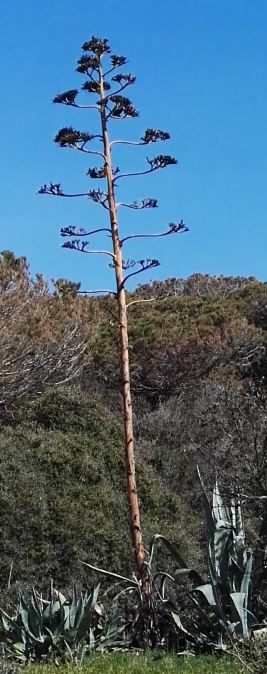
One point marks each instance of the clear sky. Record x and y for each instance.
(201, 75)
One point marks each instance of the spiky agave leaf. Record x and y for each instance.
(180, 625)
(59, 624)
(239, 613)
(118, 576)
(220, 512)
(171, 547)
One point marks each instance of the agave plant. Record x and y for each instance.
(50, 628)
(212, 610)
(149, 623)
(221, 603)
(230, 565)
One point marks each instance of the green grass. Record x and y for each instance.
(118, 663)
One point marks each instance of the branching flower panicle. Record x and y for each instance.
(52, 188)
(161, 161)
(69, 137)
(68, 97)
(154, 135)
(97, 65)
(76, 244)
(122, 107)
(97, 172)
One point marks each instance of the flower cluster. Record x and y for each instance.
(160, 161)
(154, 135)
(122, 108)
(69, 137)
(68, 97)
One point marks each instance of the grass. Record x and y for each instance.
(128, 663)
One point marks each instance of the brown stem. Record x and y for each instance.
(133, 502)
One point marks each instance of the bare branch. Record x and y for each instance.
(148, 264)
(124, 80)
(117, 62)
(77, 140)
(56, 191)
(109, 71)
(173, 229)
(74, 231)
(158, 162)
(76, 105)
(86, 107)
(69, 98)
(85, 151)
(135, 205)
(150, 136)
(81, 247)
(96, 195)
(99, 197)
(125, 142)
(130, 175)
(151, 299)
(97, 292)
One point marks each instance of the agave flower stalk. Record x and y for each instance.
(98, 66)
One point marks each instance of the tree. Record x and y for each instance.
(43, 337)
(108, 83)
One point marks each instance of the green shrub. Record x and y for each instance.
(62, 496)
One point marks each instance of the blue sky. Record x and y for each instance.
(201, 74)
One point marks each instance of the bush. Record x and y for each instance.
(62, 496)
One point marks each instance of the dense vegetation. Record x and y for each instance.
(199, 364)
(198, 352)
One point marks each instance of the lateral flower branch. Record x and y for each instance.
(98, 67)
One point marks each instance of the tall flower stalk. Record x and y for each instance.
(105, 81)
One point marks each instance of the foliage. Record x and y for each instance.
(182, 338)
(227, 595)
(44, 338)
(42, 628)
(62, 471)
(199, 329)
(8, 666)
(137, 663)
(254, 654)
(206, 410)
(222, 427)
(212, 612)
(60, 627)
